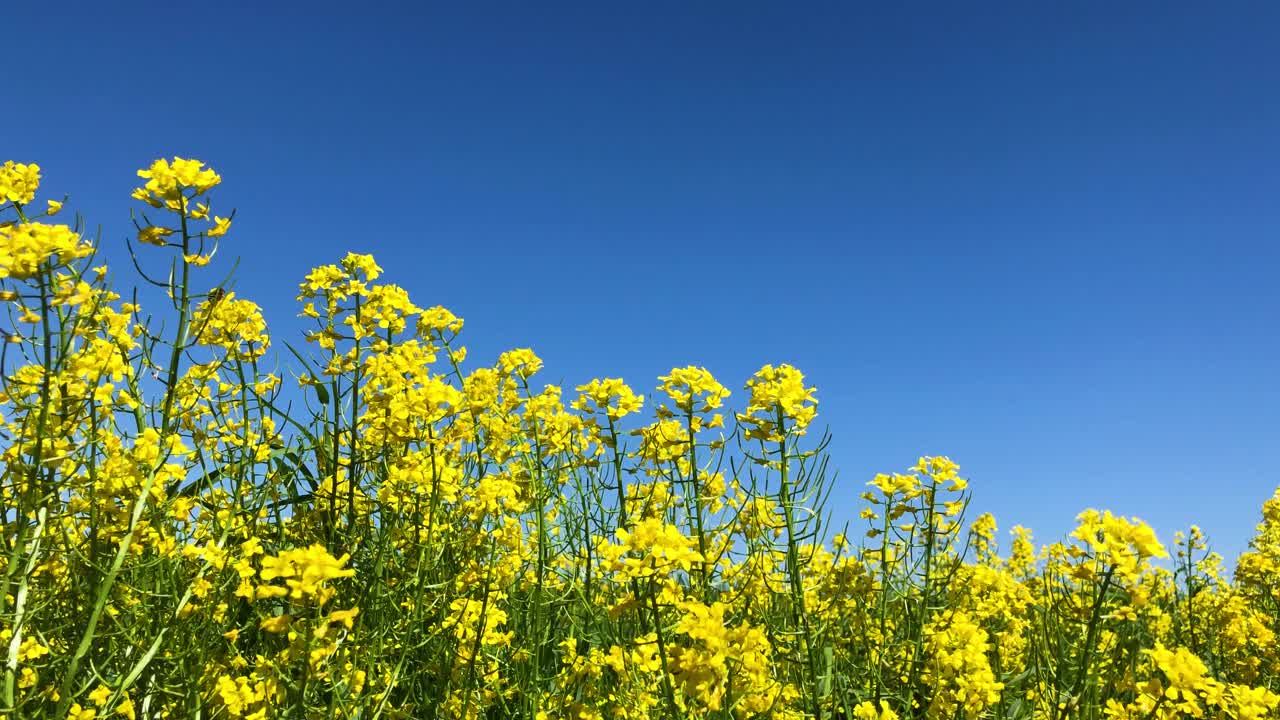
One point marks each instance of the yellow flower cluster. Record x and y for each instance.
(412, 532)
(693, 390)
(780, 403)
(306, 573)
(241, 695)
(958, 668)
(26, 248)
(718, 665)
(182, 187)
(18, 182)
(649, 549)
(611, 397)
(522, 363)
(1181, 685)
(1119, 543)
(232, 324)
(167, 181)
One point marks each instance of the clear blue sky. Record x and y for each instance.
(1037, 237)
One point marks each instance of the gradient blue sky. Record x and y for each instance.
(1037, 237)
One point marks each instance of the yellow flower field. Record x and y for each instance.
(390, 531)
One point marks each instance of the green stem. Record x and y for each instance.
(800, 615)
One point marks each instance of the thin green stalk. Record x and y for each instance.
(800, 614)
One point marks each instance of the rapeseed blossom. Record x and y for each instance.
(410, 531)
(18, 182)
(306, 574)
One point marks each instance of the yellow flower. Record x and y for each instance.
(779, 397)
(651, 547)
(166, 181)
(866, 710)
(438, 319)
(897, 484)
(693, 389)
(305, 572)
(26, 247)
(240, 694)
(1126, 544)
(31, 649)
(521, 362)
(346, 617)
(55, 207)
(220, 227)
(364, 264)
(100, 696)
(232, 324)
(1252, 703)
(276, 624)
(958, 670)
(18, 182)
(610, 396)
(154, 235)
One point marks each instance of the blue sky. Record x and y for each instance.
(1037, 237)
